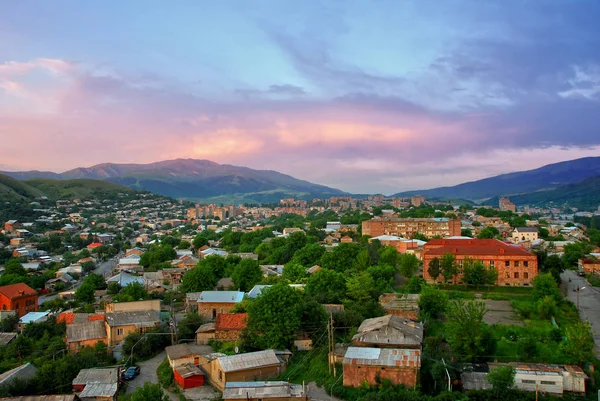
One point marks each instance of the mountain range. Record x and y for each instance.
(201, 180)
(549, 177)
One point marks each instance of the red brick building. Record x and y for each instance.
(399, 366)
(19, 297)
(229, 326)
(515, 266)
(408, 227)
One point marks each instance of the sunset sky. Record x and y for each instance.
(364, 96)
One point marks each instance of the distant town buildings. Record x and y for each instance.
(408, 227)
(506, 205)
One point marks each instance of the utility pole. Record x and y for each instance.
(332, 341)
(329, 343)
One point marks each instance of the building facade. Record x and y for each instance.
(408, 227)
(19, 297)
(515, 266)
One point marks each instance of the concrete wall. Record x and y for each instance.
(150, 304)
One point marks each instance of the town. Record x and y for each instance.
(135, 296)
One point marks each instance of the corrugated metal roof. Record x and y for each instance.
(221, 297)
(5, 338)
(264, 390)
(189, 370)
(92, 390)
(147, 318)
(249, 360)
(390, 329)
(178, 351)
(96, 375)
(86, 331)
(25, 371)
(34, 316)
(382, 357)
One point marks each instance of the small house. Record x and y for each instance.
(389, 331)
(229, 326)
(85, 334)
(271, 390)
(364, 364)
(211, 303)
(188, 376)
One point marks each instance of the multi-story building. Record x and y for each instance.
(523, 234)
(18, 297)
(408, 227)
(515, 266)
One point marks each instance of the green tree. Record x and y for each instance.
(85, 293)
(274, 318)
(465, 331)
(409, 264)
(435, 269)
(188, 326)
(432, 302)
(476, 273)
(96, 280)
(488, 233)
(360, 287)
(294, 272)
(14, 266)
(362, 261)
(502, 378)
(200, 278)
(579, 343)
(573, 252)
(341, 258)
(132, 292)
(309, 255)
(148, 392)
(448, 266)
(326, 286)
(415, 285)
(388, 255)
(88, 266)
(246, 274)
(545, 285)
(466, 233)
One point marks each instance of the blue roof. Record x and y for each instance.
(124, 279)
(257, 290)
(32, 317)
(221, 296)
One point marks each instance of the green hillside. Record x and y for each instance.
(13, 190)
(77, 189)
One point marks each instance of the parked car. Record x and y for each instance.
(131, 372)
(581, 273)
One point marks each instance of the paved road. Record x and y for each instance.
(148, 374)
(317, 393)
(589, 302)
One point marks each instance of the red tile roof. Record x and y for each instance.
(92, 318)
(231, 321)
(475, 247)
(18, 290)
(67, 317)
(94, 245)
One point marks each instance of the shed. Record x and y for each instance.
(99, 392)
(205, 333)
(189, 376)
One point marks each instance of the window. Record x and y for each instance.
(507, 263)
(526, 263)
(507, 274)
(548, 382)
(220, 375)
(17, 305)
(528, 381)
(516, 274)
(516, 263)
(119, 332)
(526, 275)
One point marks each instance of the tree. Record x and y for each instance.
(326, 286)
(435, 269)
(96, 280)
(415, 285)
(502, 378)
(188, 326)
(362, 261)
(274, 318)
(309, 255)
(360, 287)
(579, 343)
(432, 302)
(200, 278)
(448, 266)
(409, 264)
(488, 233)
(341, 258)
(85, 293)
(466, 232)
(465, 331)
(88, 266)
(132, 292)
(294, 272)
(246, 274)
(388, 255)
(149, 392)
(545, 285)
(14, 266)
(574, 252)
(476, 273)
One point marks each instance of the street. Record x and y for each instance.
(589, 302)
(148, 374)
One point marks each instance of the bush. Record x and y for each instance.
(165, 374)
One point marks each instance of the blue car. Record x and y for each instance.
(131, 372)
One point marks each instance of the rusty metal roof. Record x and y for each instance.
(382, 357)
(250, 360)
(390, 329)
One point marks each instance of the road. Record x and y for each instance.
(589, 302)
(104, 269)
(148, 374)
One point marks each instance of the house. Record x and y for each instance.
(97, 384)
(251, 366)
(134, 251)
(271, 270)
(589, 265)
(191, 301)
(123, 279)
(370, 365)
(205, 333)
(346, 239)
(182, 354)
(86, 334)
(210, 303)
(173, 276)
(131, 262)
(524, 234)
(553, 379)
(185, 262)
(54, 283)
(22, 373)
(514, 265)
(124, 318)
(61, 397)
(401, 305)
(7, 338)
(229, 326)
(11, 225)
(188, 376)
(18, 297)
(273, 391)
(389, 331)
(33, 317)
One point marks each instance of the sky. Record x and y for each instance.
(365, 96)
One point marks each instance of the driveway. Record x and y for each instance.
(589, 302)
(148, 374)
